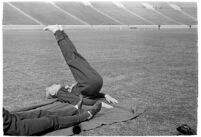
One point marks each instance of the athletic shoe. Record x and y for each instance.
(95, 109)
(60, 28)
(52, 28)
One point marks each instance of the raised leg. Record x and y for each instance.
(89, 82)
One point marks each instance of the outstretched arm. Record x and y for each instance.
(108, 98)
(64, 95)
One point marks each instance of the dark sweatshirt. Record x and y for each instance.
(68, 97)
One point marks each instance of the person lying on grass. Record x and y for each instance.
(89, 81)
(40, 122)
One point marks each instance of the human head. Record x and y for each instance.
(51, 91)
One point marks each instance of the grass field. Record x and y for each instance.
(158, 67)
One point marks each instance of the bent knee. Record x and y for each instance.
(97, 82)
(94, 86)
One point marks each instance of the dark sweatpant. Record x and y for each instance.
(39, 122)
(89, 82)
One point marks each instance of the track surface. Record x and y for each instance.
(156, 66)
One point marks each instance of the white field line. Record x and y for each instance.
(162, 14)
(25, 14)
(131, 12)
(176, 7)
(65, 12)
(104, 14)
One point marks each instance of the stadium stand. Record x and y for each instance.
(139, 9)
(188, 7)
(165, 9)
(86, 13)
(11, 16)
(46, 13)
(100, 13)
(118, 13)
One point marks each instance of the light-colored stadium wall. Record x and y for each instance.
(99, 27)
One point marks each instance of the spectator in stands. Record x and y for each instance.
(41, 121)
(89, 82)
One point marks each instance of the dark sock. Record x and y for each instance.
(84, 116)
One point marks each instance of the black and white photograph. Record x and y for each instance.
(100, 68)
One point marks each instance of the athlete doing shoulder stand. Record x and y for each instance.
(89, 82)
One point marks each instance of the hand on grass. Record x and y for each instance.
(110, 99)
(106, 105)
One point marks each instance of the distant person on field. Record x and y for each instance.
(40, 121)
(89, 82)
(159, 26)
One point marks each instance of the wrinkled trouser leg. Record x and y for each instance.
(44, 124)
(40, 113)
(89, 82)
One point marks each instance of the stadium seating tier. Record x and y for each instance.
(99, 13)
